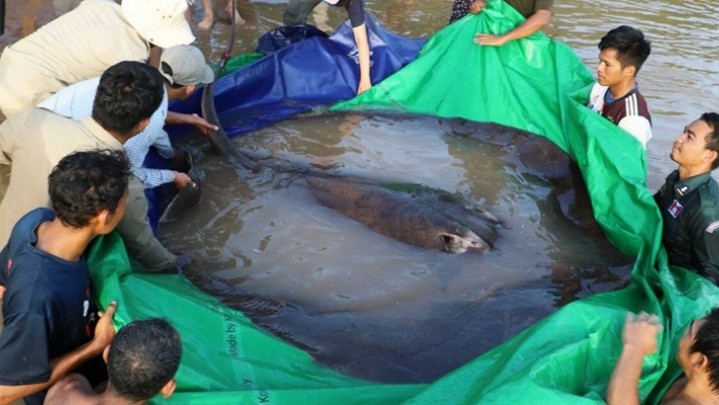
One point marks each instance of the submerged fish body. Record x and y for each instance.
(404, 217)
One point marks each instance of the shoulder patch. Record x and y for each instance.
(713, 226)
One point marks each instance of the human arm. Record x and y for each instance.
(704, 233)
(156, 177)
(538, 20)
(155, 135)
(11, 131)
(477, 6)
(360, 34)
(154, 56)
(637, 126)
(359, 30)
(141, 243)
(136, 149)
(60, 366)
(639, 338)
(175, 118)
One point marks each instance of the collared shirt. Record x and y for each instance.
(76, 102)
(690, 210)
(76, 46)
(33, 142)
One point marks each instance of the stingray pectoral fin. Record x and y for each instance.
(452, 243)
(184, 201)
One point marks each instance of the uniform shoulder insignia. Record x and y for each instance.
(713, 226)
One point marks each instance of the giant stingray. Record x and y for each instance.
(418, 315)
(419, 216)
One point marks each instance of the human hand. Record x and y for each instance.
(105, 330)
(490, 40)
(202, 125)
(640, 332)
(182, 180)
(2, 292)
(477, 6)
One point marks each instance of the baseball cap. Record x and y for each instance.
(160, 22)
(184, 65)
(332, 1)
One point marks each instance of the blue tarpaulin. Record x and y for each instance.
(296, 78)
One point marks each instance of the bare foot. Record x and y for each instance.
(238, 18)
(207, 20)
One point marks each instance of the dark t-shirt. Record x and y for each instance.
(46, 305)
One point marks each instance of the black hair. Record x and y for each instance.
(128, 93)
(712, 138)
(631, 46)
(143, 357)
(706, 342)
(167, 69)
(84, 183)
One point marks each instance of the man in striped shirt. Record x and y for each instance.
(616, 95)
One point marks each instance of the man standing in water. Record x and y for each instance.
(538, 14)
(697, 356)
(689, 200)
(615, 94)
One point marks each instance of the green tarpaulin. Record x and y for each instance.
(535, 84)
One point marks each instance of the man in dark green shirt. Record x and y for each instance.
(689, 200)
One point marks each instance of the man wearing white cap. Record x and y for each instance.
(183, 67)
(83, 43)
(297, 11)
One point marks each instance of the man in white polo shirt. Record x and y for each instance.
(83, 43)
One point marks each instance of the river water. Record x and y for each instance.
(373, 307)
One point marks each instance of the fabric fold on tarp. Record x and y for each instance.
(539, 85)
(535, 84)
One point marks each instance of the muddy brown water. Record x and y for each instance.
(375, 308)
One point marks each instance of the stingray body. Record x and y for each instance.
(418, 220)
